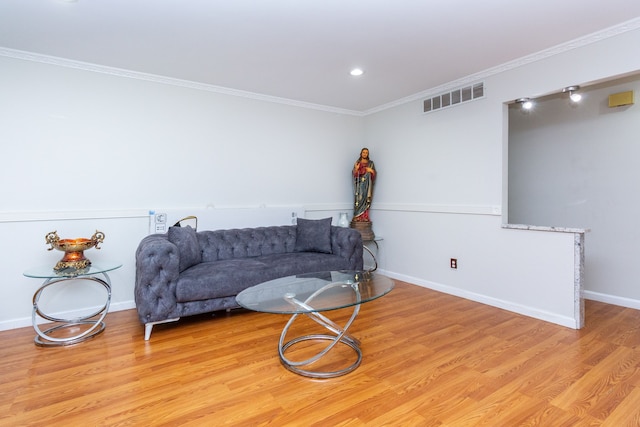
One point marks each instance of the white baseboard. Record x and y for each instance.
(494, 302)
(26, 321)
(506, 305)
(612, 299)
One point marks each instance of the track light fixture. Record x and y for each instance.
(526, 103)
(575, 97)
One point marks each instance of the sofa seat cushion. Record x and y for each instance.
(219, 279)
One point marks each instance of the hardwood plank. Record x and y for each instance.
(430, 359)
(626, 413)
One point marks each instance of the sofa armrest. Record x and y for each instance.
(157, 270)
(347, 243)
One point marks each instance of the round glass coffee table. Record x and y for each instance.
(310, 295)
(81, 328)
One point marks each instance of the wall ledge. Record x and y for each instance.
(71, 215)
(545, 228)
(447, 209)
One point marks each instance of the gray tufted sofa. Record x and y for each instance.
(184, 272)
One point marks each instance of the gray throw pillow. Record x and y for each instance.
(313, 235)
(188, 248)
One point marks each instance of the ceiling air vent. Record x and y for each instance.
(454, 97)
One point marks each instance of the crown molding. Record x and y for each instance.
(119, 72)
(473, 78)
(630, 25)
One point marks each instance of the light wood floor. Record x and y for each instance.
(429, 360)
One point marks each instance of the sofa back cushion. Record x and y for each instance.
(186, 240)
(247, 242)
(313, 235)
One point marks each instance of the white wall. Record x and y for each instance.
(441, 179)
(528, 272)
(86, 151)
(75, 135)
(108, 148)
(577, 165)
(438, 197)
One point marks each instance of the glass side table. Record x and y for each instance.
(78, 329)
(373, 254)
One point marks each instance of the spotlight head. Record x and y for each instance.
(575, 97)
(526, 103)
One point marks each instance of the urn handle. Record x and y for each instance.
(52, 238)
(98, 237)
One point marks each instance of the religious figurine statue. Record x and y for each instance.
(364, 176)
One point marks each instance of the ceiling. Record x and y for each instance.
(302, 50)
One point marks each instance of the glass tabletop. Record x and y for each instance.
(47, 272)
(312, 292)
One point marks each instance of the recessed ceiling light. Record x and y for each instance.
(356, 72)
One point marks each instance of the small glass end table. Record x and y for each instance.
(90, 325)
(311, 294)
(373, 255)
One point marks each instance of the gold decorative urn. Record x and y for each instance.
(73, 249)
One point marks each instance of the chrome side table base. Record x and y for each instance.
(372, 254)
(375, 261)
(45, 338)
(338, 335)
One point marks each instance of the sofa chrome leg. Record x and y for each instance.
(149, 326)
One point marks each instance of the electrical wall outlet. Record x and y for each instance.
(453, 263)
(157, 222)
(161, 222)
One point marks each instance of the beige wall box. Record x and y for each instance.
(620, 99)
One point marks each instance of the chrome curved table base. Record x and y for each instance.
(44, 337)
(339, 335)
(375, 261)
